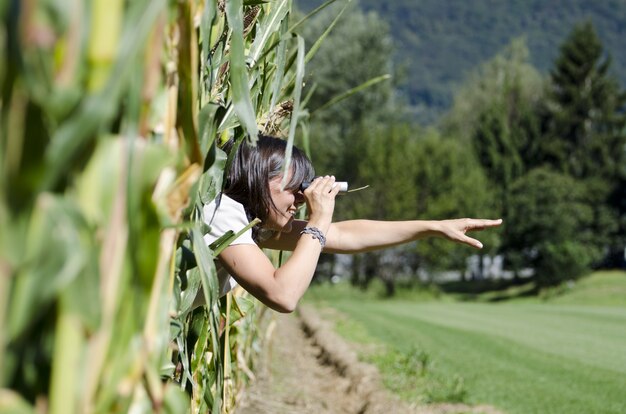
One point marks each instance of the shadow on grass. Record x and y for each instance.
(491, 290)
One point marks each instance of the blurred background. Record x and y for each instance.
(512, 110)
(504, 109)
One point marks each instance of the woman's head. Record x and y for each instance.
(252, 170)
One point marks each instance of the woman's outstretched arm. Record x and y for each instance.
(355, 236)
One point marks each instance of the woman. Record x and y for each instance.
(254, 190)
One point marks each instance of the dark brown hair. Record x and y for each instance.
(253, 167)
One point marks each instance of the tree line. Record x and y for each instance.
(545, 153)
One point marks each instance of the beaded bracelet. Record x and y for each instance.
(315, 233)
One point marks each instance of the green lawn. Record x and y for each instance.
(522, 357)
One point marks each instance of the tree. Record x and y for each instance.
(449, 182)
(551, 227)
(586, 127)
(585, 110)
(357, 49)
(495, 112)
(350, 138)
(385, 160)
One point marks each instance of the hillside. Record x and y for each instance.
(439, 43)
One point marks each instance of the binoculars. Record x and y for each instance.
(343, 186)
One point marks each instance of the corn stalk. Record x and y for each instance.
(110, 116)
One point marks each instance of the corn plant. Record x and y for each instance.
(111, 116)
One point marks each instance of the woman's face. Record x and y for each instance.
(286, 202)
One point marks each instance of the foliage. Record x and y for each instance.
(405, 372)
(110, 116)
(495, 111)
(575, 126)
(449, 183)
(364, 140)
(507, 79)
(384, 159)
(437, 44)
(586, 128)
(551, 226)
(356, 51)
(585, 133)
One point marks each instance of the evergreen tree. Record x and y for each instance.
(585, 110)
(586, 128)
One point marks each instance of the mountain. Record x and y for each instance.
(439, 43)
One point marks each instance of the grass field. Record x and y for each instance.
(526, 356)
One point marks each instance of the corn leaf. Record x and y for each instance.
(338, 98)
(238, 71)
(268, 26)
(296, 108)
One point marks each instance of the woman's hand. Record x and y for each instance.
(320, 200)
(455, 230)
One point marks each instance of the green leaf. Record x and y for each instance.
(352, 91)
(211, 181)
(320, 40)
(56, 255)
(230, 236)
(208, 126)
(268, 27)
(75, 133)
(241, 306)
(208, 273)
(311, 14)
(279, 62)
(296, 108)
(66, 366)
(208, 17)
(175, 400)
(238, 71)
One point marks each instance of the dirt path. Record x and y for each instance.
(307, 368)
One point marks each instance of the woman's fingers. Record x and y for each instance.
(472, 242)
(324, 184)
(481, 224)
(457, 230)
(320, 198)
(328, 184)
(335, 188)
(476, 225)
